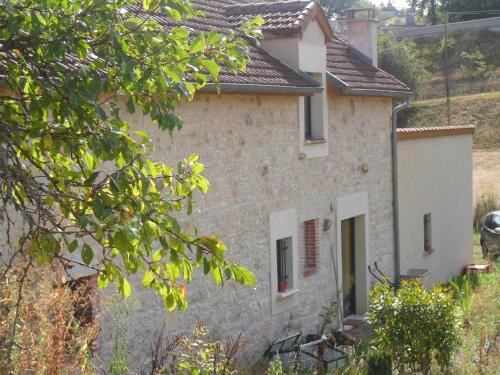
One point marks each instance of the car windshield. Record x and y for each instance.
(496, 221)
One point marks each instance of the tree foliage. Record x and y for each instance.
(429, 8)
(474, 6)
(82, 180)
(338, 7)
(434, 9)
(402, 60)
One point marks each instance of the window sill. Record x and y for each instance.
(314, 141)
(286, 294)
(429, 252)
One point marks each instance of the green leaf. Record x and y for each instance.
(102, 281)
(87, 254)
(157, 256)
(198, 44)
(212, 67)
(98, 208)
(90, 160)
(147, 279)
(91, 179)
(213, 37)
(170, 302)
(125, 289)
(72, 246)
(216, 274)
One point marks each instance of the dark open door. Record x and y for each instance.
(348, 269)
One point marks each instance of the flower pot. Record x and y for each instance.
(282, 286)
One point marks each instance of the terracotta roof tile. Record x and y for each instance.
(431, 132)
(262, 69)
(280, 17)
(346, 64)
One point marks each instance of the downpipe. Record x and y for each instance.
(395, 191)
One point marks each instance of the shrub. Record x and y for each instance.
(487, 203)
(401, 59)
(198, 355)
(415, 326)
(47, 338)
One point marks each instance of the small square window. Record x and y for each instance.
(427, 233)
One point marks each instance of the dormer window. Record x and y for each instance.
(313, 114)
(308, 133)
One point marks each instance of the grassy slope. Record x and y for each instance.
(480, 110)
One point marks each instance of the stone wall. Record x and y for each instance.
(249, 145)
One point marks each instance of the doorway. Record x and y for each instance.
(349, 266)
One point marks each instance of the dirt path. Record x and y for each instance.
(486, 171)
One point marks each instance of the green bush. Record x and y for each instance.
(379, 364)
(415, 326)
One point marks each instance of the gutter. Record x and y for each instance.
(348, 90)
(261, 89)
(395, 191)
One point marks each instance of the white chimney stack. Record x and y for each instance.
(362, 32)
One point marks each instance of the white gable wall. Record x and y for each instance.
(312, 49)
(435, 176)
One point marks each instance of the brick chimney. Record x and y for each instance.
(362, 32)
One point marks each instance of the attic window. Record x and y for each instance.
(307, 117)
(313, 114)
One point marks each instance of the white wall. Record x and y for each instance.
(435, 176)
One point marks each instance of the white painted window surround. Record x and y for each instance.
(355, 206)
(317, 145)
(283, 224)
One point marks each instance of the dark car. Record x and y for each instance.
(490, 234)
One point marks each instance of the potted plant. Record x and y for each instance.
(282, 286)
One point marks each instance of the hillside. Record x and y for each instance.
(480, 110)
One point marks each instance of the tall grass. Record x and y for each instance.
(487, 203)
(48, 338)
(480, 349)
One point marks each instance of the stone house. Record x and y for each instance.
(301, 154)
(298, 153)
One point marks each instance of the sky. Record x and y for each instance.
(400, 4)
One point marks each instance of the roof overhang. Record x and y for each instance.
(349, 90)
(236, 88)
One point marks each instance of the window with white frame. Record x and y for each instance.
(313, 114)
(284, 259)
